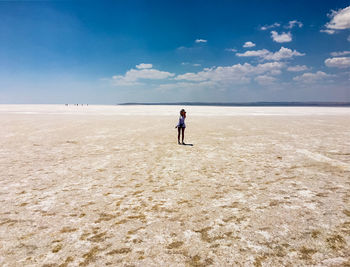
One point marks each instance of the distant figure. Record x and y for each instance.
(181, 127)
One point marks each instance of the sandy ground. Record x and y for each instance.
(106, 186)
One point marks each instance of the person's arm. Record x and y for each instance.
(178, 124)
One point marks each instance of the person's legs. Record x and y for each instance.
(183, 134)
(178, 134)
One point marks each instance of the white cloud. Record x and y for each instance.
(328, 31)
(225, 77)
(297, 68)
(239, 73)
(310, 77)
(182, 47)
(249, 44)
(293, 23)
(283, 53)
(265, 79)
(254, 53)
(337, 54)
(187, 63)
(201, 41)
(144, 66)
(340, 19)
(194, 77)
(266, 27)
(133, 76)
(231, 49)
(338, 62)
(281, 38)
(272, 68)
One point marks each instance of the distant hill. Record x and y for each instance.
(249, 104)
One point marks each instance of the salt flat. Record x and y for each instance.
(108, 185)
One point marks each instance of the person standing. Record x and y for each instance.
(181, 127)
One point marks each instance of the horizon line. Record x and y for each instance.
(257, 103)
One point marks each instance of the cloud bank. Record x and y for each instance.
(310, 77)
(338, 62)
(297, 68)
(283, 53)
(238, 73)
(143, 72)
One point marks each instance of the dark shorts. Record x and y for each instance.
(181, 126)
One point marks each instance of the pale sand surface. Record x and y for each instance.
(108, 185)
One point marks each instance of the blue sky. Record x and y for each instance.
(107, 52)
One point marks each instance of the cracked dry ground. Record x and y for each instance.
(102, 190)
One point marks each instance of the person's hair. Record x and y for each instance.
(182, 110)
